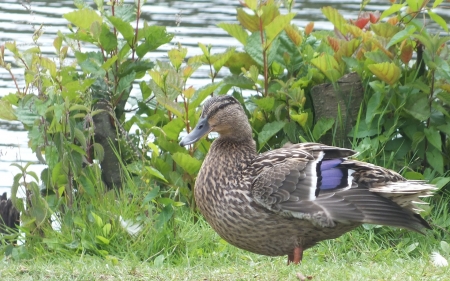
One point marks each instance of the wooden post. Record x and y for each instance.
(340, 101)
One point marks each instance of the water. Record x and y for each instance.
(191, 21)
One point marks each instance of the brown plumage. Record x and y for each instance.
(286, 200)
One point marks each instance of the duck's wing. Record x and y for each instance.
(317, 183)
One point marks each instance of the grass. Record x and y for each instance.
(370, 253)
(186, 248)
(351, 266)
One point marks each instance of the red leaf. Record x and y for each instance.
(406, 51)
(334, 43)
(374, 17)
(309, 28)
(361, 22)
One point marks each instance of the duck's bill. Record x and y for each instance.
(199, 131)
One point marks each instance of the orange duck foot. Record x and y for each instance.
(296, 256)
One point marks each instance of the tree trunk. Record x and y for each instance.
(106, 135)
(340, 101)
(10, 217)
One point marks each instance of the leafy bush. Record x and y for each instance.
(103, 180)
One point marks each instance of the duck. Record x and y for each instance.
(284, 201)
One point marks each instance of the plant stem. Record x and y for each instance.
(138, 15)
(264, 53)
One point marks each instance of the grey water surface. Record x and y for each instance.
(191, 21)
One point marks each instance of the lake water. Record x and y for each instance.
(191, 22)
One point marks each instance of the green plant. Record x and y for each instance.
(102, 177)
(406, 104)
(72, 111)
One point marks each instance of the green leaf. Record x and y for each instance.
(159, 261)
(377, 56)
(445, 128)
(328, 65)
(440, 182)
(276, 26)
(238, 61)
(268, 131)
(78, 134)
(205, 49)
(102, 240)
(235, 30)
(417, 138)
(402, 35)
(49, 65)
(373, 105)
(152, 171)
(123, 27)
(107, 39)
(125, 83)
(445, 247)
(99, 152)
(301, 118)
(438, 19)
(250, 22)
(392, 9)
(251, 4)
(273, 52)
(106, 229)
(425, 39)
(364, 130)
(414, 4)
(57, 43)
(151, 195)
(164, 216)
(435, 4)
(17, 202)
(413, 176)
(321, 127)
(417, 106)
(97, 219)
(7, 111)
(433, 137)
(411, 247)
(85, 183)
(126, 12)
(443, 96)
(239, 81)
(130, 66)
(177, 56)
(155, 36)
(388, 72)
(83, 18)
(202, 93)
(436, 160)
(58, 176)
(173, 128)
(254, 48)
(266, 103)
(335, 18)
(222, 58)
(188, 163)
(96, 29)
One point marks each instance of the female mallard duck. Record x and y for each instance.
(286, 200)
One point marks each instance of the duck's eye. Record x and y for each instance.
(201, 126)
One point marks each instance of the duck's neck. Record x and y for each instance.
(233, 149)
(223, 165)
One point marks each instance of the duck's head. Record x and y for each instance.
(224, 115)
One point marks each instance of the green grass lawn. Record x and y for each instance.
(363, 254)
(250, 267)
(188, 249)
